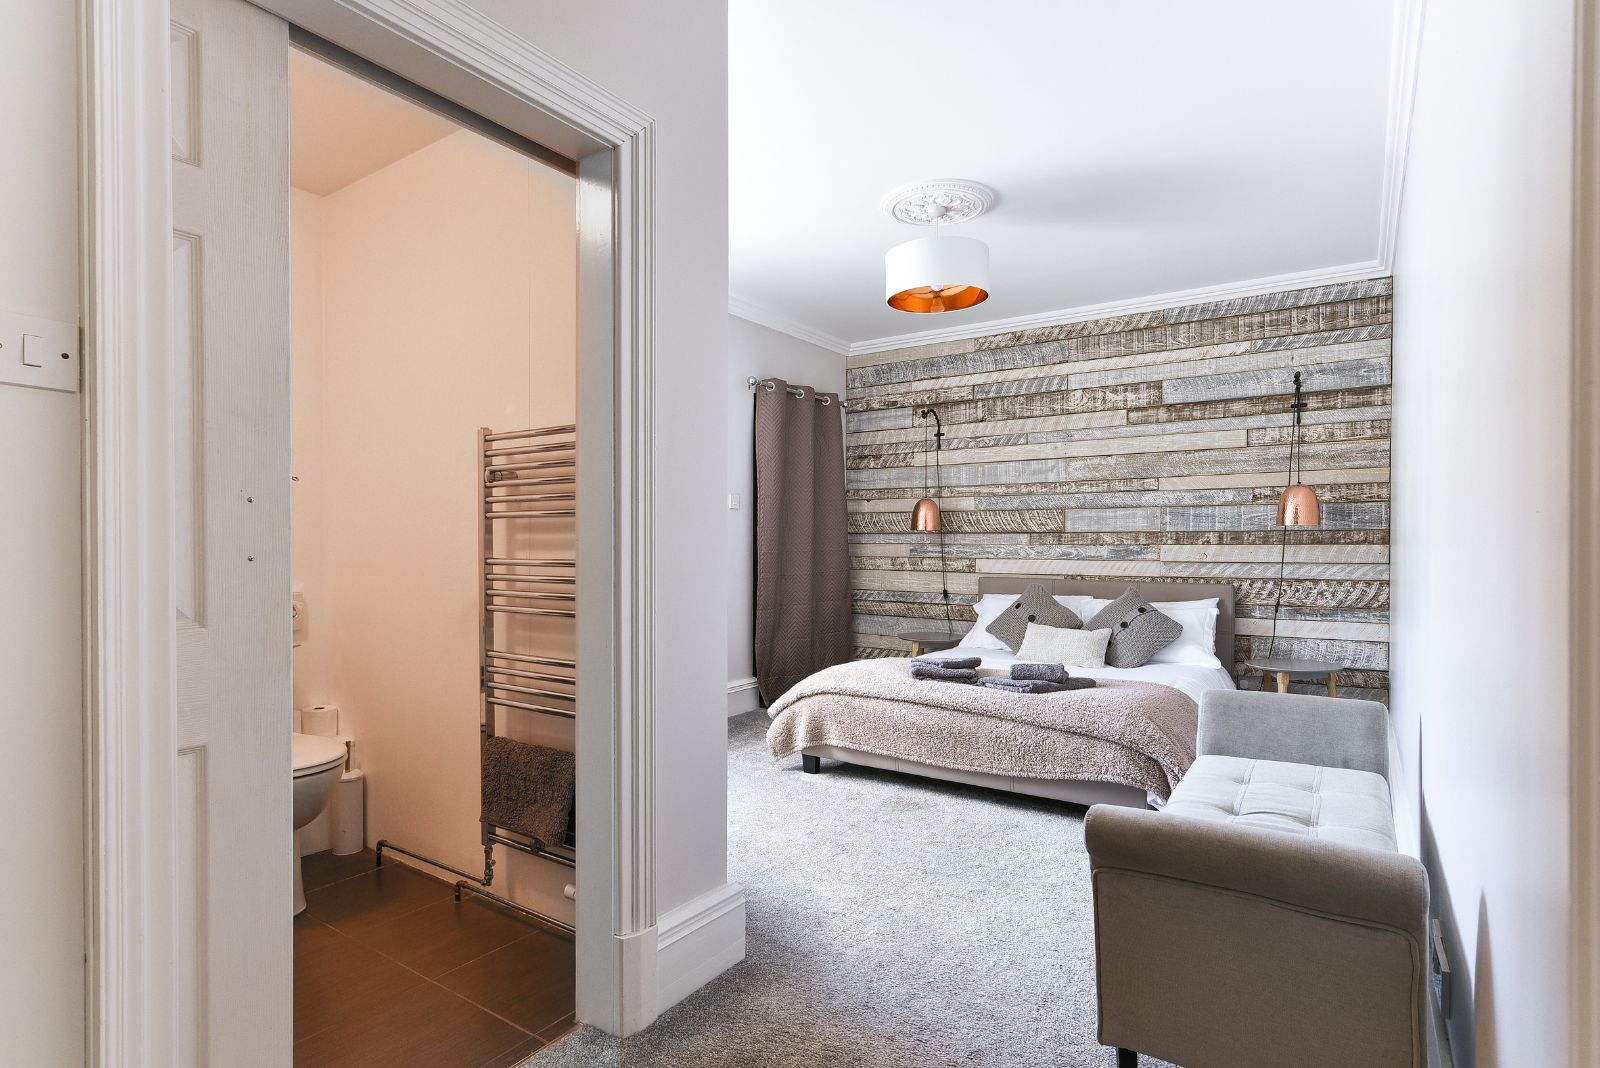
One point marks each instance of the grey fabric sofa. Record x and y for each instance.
(1264, 917)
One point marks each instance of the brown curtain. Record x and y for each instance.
(802, 560)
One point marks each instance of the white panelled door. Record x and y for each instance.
(230, 254)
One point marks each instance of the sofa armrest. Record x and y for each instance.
(1297, 728)
(1369, 885)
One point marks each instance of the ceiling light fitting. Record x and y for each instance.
(937, 274)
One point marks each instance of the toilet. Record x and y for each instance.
(317, 764)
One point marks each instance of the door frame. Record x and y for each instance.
(129, 670)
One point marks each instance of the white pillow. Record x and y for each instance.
(1197, 644)
(1082, 607)
(1058, 645)
(989, 607)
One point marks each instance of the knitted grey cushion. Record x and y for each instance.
(1035, 605)
(1138, 631)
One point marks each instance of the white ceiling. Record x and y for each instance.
(344, 128)
(1137, 148)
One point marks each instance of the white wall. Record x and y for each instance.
(1481, 462)
(433, 297)
(765, 353)
(672, 61)
(41, 794)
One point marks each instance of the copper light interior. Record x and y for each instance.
(925, 516)
(927, 299)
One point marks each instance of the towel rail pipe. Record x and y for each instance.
(535, 675)
(564, 713)
(542, 513)
(554, 695)
(535, 432)
(527, 596)
(523, 658)
(513, 610)
(505, 561)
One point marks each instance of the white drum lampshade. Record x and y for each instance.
(936, 274)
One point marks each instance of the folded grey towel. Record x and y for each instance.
(528, 788)
(935, 660)
(1042, 672)
(943, 674)
(1035, 685)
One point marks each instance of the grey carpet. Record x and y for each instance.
(892, 922)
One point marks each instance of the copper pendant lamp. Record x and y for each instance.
(1298, 505)
(925, 514)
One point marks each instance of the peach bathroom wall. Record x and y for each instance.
(448, 292)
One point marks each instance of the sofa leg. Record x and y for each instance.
(1127, 1058)
(810, 764)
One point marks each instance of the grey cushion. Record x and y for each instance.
(1035, 605)
(1333, 804)
(1138, 631)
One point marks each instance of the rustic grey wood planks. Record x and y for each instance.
(1149, 446)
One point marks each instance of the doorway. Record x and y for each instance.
(146, 856)
(434, 295)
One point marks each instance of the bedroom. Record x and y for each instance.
(1187, 326)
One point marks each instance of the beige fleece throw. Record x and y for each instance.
(1139, 734)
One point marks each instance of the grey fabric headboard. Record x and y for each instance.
(1150, 591)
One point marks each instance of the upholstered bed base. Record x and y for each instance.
(1079, 793)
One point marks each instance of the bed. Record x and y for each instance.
(1125, 742)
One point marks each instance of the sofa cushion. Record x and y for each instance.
(1333, 804)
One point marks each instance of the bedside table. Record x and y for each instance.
(928, 641)
(1285, 670)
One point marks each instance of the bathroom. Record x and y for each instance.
(434, 296)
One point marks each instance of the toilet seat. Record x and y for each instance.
(314, 753)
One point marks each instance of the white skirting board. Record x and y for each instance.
(698, 941)
(742, 696)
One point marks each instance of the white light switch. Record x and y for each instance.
(37, 352)
(734, 501)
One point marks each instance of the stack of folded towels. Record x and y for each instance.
(949, 669)
(1037, 678)
(1024, 678)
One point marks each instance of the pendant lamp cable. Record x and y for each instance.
(938, 483)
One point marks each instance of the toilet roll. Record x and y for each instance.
(320, 719)
(348, 813)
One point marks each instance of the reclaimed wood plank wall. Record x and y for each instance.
(1151, 446)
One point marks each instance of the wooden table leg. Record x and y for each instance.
(1283, 682)
(1333, 685)
(916, 649)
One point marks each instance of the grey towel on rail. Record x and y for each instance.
(528, 788)
(935, 660)
(943, 674)
(1000, 682)
(1042, 672)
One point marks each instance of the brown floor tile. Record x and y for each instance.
(320, 869)
(337, 981)
(423, 1026)
(359, 904)
(530, 982)
(515, 1055)
(446, 935)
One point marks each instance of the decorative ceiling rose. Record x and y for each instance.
(918, 203)
(937, 274)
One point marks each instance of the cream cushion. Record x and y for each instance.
(1059, 645)
(1332, 804)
